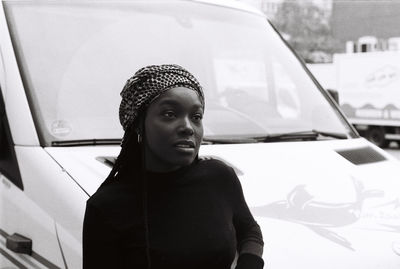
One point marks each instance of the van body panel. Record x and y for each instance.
(301, 194)
(52, 188)
(56, 195)
(84, 164)
(23, 213)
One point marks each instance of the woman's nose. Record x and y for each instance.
(186, 126)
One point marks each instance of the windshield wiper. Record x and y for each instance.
(289, 136)
(85, 142)
(301, 135)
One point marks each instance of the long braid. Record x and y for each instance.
(144, 194)
(129, 146)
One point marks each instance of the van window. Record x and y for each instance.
(8, 161)
(75, 60)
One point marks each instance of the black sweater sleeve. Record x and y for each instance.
(100, 248)
(248, 232)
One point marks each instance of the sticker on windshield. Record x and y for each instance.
(60, 128)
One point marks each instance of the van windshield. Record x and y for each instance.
(75, 58)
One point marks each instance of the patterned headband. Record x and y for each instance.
(147, 84)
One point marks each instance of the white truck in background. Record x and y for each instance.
(368, 85)
(369, 93)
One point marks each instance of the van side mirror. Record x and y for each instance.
(334, 94)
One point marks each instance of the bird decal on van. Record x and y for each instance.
(301, 207)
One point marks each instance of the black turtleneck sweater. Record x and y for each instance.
(196, 217)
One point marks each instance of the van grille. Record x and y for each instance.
(362, 155)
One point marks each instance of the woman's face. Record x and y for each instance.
(173, 130)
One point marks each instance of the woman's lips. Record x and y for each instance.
(186, 146)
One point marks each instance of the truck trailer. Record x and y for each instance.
(369, 89)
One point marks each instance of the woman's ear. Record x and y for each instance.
(140, 129)
(139, 137)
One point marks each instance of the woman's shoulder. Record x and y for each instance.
(219, 173)
(110, 193)
(111, 203)
(213, 162)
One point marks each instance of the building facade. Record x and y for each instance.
(353, 19)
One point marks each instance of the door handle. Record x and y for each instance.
(19, 244)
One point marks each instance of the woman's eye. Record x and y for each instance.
(197, 117)
(169, 114)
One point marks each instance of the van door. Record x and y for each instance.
(28, 236)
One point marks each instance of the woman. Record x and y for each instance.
(161, 206)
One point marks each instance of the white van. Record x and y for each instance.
(324, 197)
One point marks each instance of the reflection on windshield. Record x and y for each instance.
(76, 59)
